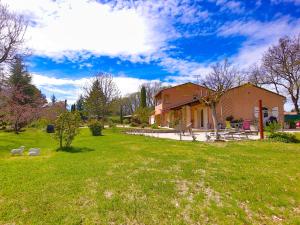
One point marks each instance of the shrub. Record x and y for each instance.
(292, 124)
(50, 128)
(126, 121)
(133, 124)
(115, 119)
(40, 123)
(143, 125)
(66, 128)
(273, 127)
(143, 115)
(154, 126)
(95, 127)
(283, 137)
(111, 124)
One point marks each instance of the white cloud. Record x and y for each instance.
(66, 28)
(133, 30)
(70, 89)
(259, 37)
(296, 2)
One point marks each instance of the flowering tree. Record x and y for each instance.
(20, 101)
(16, 109)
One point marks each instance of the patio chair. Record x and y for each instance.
(246, 125)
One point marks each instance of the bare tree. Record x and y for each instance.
(131, 103)
(281, 66)
(12, 30)
(151, 89)
(221, 79)
(100, 95)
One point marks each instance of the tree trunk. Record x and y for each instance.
(215, 120)
(296, 105)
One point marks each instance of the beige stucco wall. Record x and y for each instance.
(240, 103)
(175, 96)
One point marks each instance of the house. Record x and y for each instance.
(183, 103)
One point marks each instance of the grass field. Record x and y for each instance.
(123, 179)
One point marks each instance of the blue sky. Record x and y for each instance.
(138, 41)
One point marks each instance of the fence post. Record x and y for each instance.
(261, 122)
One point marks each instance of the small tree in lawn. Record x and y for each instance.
(66, 128)
(218, 82)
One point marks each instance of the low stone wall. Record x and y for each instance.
(150, 131)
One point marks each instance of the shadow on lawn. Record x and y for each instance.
(75, 149)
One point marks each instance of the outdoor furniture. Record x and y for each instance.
(17, 151)
(34, 152)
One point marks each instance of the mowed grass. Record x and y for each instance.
(123, 179)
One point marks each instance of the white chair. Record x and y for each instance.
(34, 152)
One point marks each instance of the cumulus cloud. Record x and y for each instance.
(259, 36)
(71, 88)
(66, 28)
(126, 29)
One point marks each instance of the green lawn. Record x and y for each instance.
(123, 179)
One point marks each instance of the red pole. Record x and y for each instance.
(261, 122)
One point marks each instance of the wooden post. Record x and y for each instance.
(261, 122)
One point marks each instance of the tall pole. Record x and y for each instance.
(261, 122)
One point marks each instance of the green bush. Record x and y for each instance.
(115, 119)
(40, 123)
(292, 124)
(111, 124)
(143, 115)
(154, 126)
(273, 127)
(143, 125)
(133, 124)
(95, 127)
(125, 121)
(283, 137)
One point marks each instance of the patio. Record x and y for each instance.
(196, 136)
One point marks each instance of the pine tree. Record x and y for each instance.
(53, 99)
(94, 100)
(143, 97)
(73, 108)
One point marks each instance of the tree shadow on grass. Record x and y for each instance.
(75, 149)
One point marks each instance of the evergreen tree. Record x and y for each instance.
(80, 104)
(143, 97)
(73, 108)
(53, 99)
(20, 79)
(94, 100)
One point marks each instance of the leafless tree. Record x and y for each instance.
(12, 30)
(255, 75)
(281, 67)
(131, 103)
(151, 89)
(222, 78)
